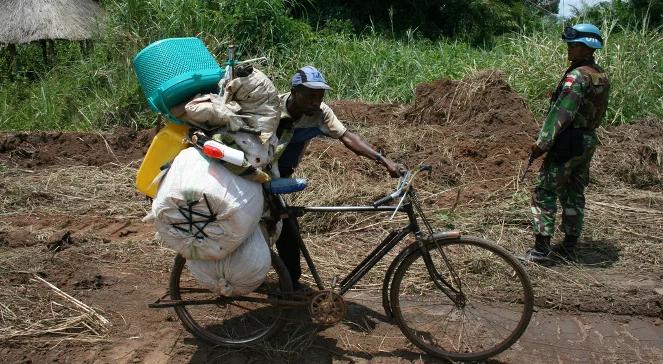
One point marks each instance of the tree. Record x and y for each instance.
(477, 20)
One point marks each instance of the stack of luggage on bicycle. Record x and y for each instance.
(208, 207)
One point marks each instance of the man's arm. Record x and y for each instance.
(562, 113)
(360, 147)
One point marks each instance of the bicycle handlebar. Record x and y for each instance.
(403, 185)
(383, 200)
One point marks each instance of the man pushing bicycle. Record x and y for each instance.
(303, 117)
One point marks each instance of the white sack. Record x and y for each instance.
(208, 111)
(237, 204)
(239, 273)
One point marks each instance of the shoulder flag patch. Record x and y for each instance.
(568, 81)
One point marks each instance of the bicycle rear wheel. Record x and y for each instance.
(489, 314)
(230, 321)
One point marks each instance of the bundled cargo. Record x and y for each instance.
(181, 80)
(201, 207)
(202, 210)
(249, 101)
(240, 272)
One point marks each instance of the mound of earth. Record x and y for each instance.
(50, 148)
(477, 130)
(485, 123)
(634, 154)
(484, 99)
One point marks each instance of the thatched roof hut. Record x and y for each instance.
(23, 21)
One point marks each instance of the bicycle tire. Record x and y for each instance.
(478, 273)
(224, 332)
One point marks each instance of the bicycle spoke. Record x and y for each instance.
(484, 319)
(495, 314)
(232, 321)
(489, 322)
(460, 334)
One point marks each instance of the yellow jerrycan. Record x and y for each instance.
(168, 142)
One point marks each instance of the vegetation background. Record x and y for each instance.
(375, 51)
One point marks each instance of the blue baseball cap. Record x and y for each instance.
(310, 77)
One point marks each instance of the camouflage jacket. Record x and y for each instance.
(582, 102)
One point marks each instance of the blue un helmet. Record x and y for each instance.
(586, 34)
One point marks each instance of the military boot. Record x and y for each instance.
(566, 248)
(540, 254)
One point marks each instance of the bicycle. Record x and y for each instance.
(472, 279)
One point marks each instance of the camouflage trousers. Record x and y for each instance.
(564, 181)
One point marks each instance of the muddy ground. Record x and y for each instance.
(69, 215)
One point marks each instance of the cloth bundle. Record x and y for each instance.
(251, 101)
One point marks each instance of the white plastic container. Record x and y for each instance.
(214, 149)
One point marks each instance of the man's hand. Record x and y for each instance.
(356, 144)
(536, 152)
(395, 169)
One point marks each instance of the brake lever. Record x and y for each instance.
(402, 183)
(405, 182)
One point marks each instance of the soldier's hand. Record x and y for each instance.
(536, 152)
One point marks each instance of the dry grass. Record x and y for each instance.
(31, 307)
(37, 310)
(622, 241)
(74, 190)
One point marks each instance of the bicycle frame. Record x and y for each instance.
(394, 237)
(290, 215)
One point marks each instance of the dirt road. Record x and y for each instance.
(120, 277)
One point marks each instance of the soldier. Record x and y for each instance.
(568, 138)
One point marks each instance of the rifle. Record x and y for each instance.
(530, 160)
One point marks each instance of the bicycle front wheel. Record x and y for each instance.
(230, 321)
(487, 306)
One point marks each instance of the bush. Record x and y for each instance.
(475, 20)
(256, 25)
(101, 91)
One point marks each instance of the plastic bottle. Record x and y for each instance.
(214, 149)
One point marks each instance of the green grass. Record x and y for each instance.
(633, 60)
(385, 70)
(101, 91)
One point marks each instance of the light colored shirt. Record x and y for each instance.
(325, 120)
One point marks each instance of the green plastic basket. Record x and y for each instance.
(172, 71)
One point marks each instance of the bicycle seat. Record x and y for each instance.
(280, 186)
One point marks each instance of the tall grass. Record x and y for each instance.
(633, 60)
(101, 91)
